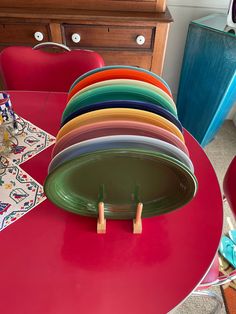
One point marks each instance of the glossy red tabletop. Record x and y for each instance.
(54, 262)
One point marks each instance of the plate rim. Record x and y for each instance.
(126, 125)
(154, 108)
(133, 113)
(123, 140)
(125, 81)
(111, 67)
(96, 92)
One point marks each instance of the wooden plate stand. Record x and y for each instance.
(137, 222)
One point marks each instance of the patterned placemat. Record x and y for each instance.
(19, 192)
(29, 141)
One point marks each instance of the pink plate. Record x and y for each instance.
(120, 127)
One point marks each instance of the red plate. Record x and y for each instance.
(117, 74)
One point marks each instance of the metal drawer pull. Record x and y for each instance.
(51, 44)
(140, 40)
(76, 38)
(38, 36)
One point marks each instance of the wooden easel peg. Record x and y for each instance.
(101, 222)
(137, 222)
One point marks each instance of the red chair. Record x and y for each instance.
(229, 185)
(24, 68)
(213, 277)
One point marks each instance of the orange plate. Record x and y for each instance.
(117, 74)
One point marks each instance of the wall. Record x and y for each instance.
(183, 12)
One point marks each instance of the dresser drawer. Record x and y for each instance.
(86, 36)
(20, 33)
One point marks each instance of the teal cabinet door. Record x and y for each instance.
(207, 89)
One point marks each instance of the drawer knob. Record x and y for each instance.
(140, 40)
(75, 38)
(38, 36)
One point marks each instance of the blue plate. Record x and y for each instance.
(141, 105)
(117, 92)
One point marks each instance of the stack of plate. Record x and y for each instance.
(120, 142)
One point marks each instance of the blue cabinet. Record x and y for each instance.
(207, 89)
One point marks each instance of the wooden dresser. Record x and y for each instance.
(131, 38)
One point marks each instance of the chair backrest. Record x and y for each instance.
(23, 68)
(229, 185)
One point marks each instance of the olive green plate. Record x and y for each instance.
(121, 178)
(120, 92)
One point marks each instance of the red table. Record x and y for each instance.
(53, 261)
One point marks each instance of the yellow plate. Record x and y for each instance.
(127, 82)
(119, 114)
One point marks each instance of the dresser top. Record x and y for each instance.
(216, 22)
(75, 14)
